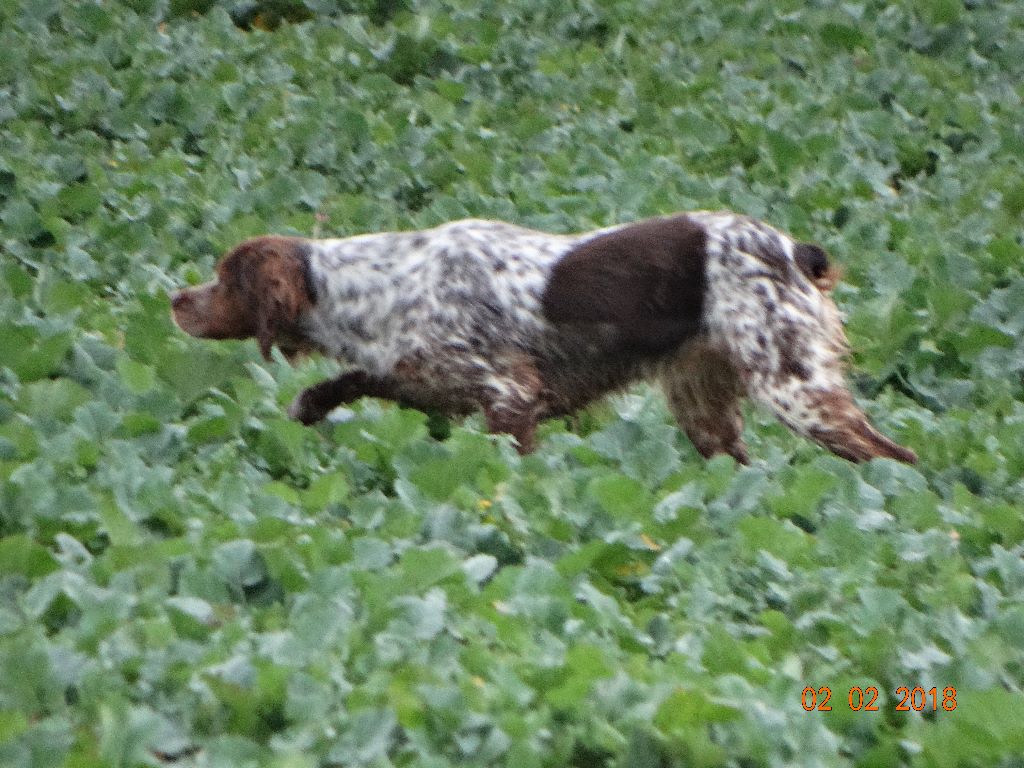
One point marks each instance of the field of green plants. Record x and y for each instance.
(187, 578)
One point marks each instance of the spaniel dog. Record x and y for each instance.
(527, 325)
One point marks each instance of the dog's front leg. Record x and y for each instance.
(314, 403)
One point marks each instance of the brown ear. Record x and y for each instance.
(646, 280)
(274, 273)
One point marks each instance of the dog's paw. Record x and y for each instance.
(305, 409)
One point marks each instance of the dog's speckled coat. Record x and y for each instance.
(528, 325)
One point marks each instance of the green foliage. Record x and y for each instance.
(188, 578)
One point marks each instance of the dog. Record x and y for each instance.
(528, 325)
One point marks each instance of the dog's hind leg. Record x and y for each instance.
(829, 416)
(792, 362)
(704, 394)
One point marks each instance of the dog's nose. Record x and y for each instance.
(180, 299)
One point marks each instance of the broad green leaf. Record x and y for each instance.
(30, 355)
(19, 554)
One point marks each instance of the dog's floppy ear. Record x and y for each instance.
(273, 273)
(646, 280)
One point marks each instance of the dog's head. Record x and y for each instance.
(262, 288)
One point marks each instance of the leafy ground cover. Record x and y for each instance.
(187, 578)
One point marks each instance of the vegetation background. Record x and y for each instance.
(187, 578)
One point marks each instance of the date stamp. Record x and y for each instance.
(916, 699)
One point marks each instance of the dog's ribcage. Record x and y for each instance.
(464, 288)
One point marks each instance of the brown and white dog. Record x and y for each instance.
(527, 325)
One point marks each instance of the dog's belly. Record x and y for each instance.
(582, 367)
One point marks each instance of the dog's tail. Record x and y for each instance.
(814, 262)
